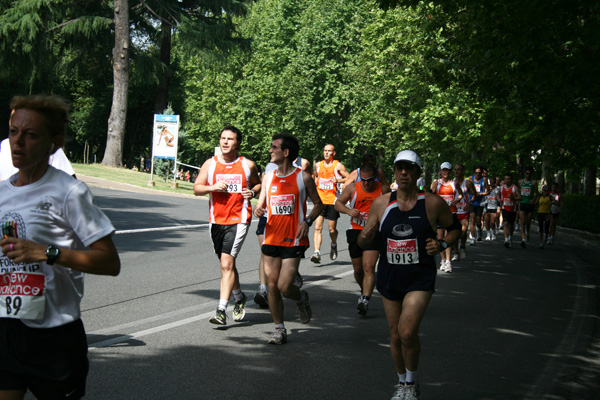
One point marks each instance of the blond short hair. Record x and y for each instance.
(54, 109)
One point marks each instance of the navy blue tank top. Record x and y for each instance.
(404, 264)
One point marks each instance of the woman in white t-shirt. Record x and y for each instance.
(52, 233)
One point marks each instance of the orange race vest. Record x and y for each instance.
(447, 192)
(286, 208)
(362, 201)
(229, 208)
(508, 203)
(326, 187)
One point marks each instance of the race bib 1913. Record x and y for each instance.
(402, 251)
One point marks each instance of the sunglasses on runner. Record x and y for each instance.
(367, 179)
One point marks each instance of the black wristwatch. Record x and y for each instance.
(308, 222)
(443, 243)
(52, 252)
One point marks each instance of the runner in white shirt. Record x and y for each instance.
(52, 233)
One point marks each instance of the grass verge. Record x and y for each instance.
(135, 178)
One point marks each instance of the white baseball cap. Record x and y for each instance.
(409, 156)
(446, 165)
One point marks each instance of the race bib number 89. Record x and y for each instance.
(234, 182)
(282, 204)
(402, 251)
(22, 295)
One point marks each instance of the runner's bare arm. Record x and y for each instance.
(311, 191)
(201, 186)
(101, 259)
(439, 213)
(340, 202)
(261, 204)
(254, 184)
(352, 177)
(342, 171)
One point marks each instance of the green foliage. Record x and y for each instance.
(580, 212)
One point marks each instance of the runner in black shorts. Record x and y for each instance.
(406, 270)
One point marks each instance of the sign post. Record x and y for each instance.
(164, 140)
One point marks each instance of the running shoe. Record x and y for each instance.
(506, 244)
(220, 318)
(239, 309)
(304, 310)
(298, 281)
(523, 245)
(279, 336)
(448, 266)
(412, 392)
(493, 235)
(463, 253)
(362, 306)
(262, 299)
(489, 236)
(333, 252)
(443, 265)
(400, 392)
(316, 258)
(472, 243)
(455, 257)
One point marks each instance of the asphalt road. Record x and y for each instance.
(506, 324)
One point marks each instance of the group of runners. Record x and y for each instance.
(485, 204)
(397, 228)
(400, 230)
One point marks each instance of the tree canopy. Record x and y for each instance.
(504, 84)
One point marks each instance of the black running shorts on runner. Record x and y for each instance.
(527, 208)
(51, 362)
(283, 251)
(260, 229)
(228, 239)
(329, 212)
(509, 216)
(354, 249)
(476, 209)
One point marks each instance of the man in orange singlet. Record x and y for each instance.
(232, 181)
(451, 194)
(327, 174)
(361, 195)
(283, 200)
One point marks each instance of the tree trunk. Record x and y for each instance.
(162, 91)
(113, 155)
(590, 182)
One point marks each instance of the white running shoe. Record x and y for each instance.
(472, 243)
(448, 266)
(488, 236)
(455, 257)
(493, 235)
(443, 265)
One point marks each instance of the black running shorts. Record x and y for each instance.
(51, 362)
(283, 251)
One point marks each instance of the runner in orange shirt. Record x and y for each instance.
(361, 195)
(451, 194)
(327, 174)
(231, 181)
(508, 196)
(283, 200)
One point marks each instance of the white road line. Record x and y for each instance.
(161, 229)
(160, 328)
